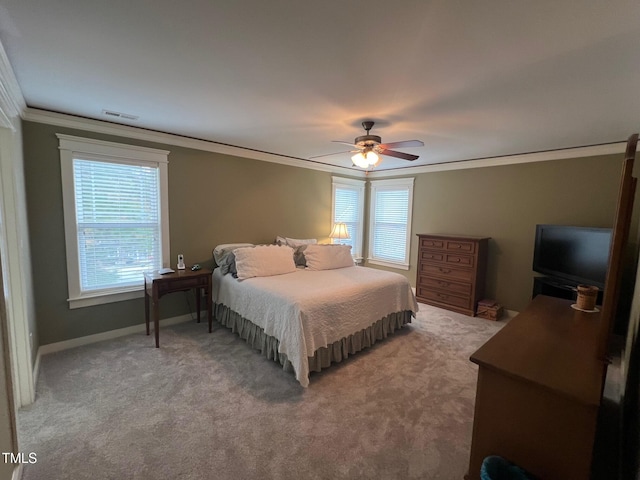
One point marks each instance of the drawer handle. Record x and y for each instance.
(457, 260)
(444, 284)
(443, 296)
(444, 270)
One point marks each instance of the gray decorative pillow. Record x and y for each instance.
(298, 255)
(224, 257)
(298, 245)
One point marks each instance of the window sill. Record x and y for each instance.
(383, 263)
(89, 300)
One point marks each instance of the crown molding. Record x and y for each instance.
(126, 131)
(108, 128)
(12, 104)
(577, 152)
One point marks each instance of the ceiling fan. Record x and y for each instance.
(369, 147)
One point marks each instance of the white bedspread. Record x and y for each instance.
(306, 310)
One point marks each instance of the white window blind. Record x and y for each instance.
(348, 207)
(118, 223)
(116, 217)
(390, 222)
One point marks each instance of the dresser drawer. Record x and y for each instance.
(461, 246)
(444, 271)
(449, 245)
(462, 260)
(446, 286)
(432, 256)
(433, 243)
(177, 285)
(448, 258)
(458, 301)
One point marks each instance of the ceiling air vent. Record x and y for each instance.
(124, 116)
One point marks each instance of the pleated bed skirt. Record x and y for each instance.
(323, 357)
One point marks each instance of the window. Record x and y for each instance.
(116, 218)
(348, 207)
(390, 222)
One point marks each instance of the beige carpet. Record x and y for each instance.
(206, 406)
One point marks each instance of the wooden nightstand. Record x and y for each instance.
(157, 285)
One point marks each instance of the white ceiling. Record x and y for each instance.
(471, 79)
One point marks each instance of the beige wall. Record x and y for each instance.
(217, 199)
(213, 199)
(506, 202)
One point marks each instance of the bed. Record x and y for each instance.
(307, 319)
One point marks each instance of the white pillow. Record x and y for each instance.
(298, 242)
(294, 242)
(328, 257)
(264, 261)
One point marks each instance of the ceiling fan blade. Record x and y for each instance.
(393, 153)
(337, 153)
(351, 144)
(406, 143)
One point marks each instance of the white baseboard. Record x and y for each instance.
(36, 369)
(17, 472)
(98, 337)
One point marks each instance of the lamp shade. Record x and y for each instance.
(339, 231)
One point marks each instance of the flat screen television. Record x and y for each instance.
(576, 254)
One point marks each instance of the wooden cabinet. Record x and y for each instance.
(451, 271)
(541, 378)
(539, 389)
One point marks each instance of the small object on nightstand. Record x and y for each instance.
(180, 261)
(164, 271)
(196, 267)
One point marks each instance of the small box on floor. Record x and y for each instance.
(489, 309)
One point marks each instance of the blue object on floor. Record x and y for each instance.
(497, 468)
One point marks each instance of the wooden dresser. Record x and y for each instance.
(539, 390)
(451, 271)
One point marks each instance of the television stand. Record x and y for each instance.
(557, 287)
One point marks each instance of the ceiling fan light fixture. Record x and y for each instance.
(372, 158)
(365, 159)
(359, 160)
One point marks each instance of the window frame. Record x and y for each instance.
(72, 147)
(390, 184)
(359, 187)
